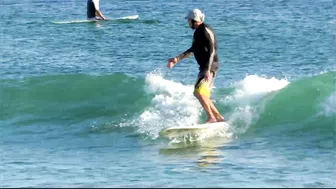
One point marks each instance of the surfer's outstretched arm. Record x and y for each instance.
(175, 60)
(185, 54)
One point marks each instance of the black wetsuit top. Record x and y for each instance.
(204, 48)
(91, 10)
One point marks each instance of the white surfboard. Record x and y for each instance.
(208, 128)
(132, 17)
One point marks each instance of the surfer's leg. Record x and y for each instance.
(205, 102)
(202, 93)
(215, 112)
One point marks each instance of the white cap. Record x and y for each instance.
(196, 15)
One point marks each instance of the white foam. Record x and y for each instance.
(254, 85)
(173, 104)
(329, 105)
(248, 93)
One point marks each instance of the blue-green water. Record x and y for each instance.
(81, 104)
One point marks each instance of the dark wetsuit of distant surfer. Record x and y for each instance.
(93, 10)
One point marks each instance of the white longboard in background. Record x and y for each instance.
(194, 129)
(132, 17)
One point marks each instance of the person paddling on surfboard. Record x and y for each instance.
(93, 10)
(204, 48)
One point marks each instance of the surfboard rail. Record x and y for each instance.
(193, 129)
(131, 17)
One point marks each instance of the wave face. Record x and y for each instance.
(253, 105)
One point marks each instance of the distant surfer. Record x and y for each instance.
(204, 48)
(93, 10)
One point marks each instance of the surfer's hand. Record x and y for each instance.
(171, 62)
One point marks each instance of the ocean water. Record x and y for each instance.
(82, 104)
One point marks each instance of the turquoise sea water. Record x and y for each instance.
(82, 104)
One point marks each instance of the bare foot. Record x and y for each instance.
(211, 120)
(220, 119)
